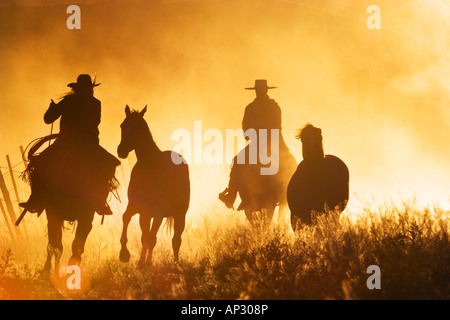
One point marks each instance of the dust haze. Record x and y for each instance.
(380, 96)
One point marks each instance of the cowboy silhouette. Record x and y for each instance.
(76, 153)
(262, 113)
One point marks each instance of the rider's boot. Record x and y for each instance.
(228, 197)
(34, 204)
(104, 210)
(102, 207)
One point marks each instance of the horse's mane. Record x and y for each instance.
(309, 132)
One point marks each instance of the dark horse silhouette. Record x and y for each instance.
(260, 188)
(67, 198)
(72, 177)
(320, 183)
(262, 194)
(158, 187)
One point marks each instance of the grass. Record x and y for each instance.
(223, 258)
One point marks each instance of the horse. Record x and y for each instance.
(320, 183)
(262, 194)
(159, 187)
(66, 197)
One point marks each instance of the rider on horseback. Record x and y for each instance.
(262, 113)
(77, 144)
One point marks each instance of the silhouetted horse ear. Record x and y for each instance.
(143, 111)
(127, 110)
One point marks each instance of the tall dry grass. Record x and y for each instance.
(222, 257)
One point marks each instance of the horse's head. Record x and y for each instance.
(132, 128)
(311, 138)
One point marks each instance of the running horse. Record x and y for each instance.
(159, 187)
(261, 194)
(68, 196)
(320, 183)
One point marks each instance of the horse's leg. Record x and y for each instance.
(296, 223)
(151, 237)
(144, 223)
(301, 217)
(124, 253)
(83, 229)
(283, 213)
(178, 228)
(54, 247)
(59, 245)
(250, 215)
(268, 216)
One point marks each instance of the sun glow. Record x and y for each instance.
(380, 96)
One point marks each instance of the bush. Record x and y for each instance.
(222, 257)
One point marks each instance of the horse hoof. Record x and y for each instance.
(73, 261)
(178, 266)
(142, 266)
(124, 255)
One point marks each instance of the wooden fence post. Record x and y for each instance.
(7, 198)
(8, 225)
(13, 180)
(25, 164)
(16, 191)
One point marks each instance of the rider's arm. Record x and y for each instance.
(54, 111)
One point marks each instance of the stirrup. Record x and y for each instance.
(104, 210)
(32, 208)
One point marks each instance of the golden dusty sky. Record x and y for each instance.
(381, 97)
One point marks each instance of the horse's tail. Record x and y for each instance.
(168, 225)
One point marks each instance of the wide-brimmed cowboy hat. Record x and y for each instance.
(260, 84)
(83, 80)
